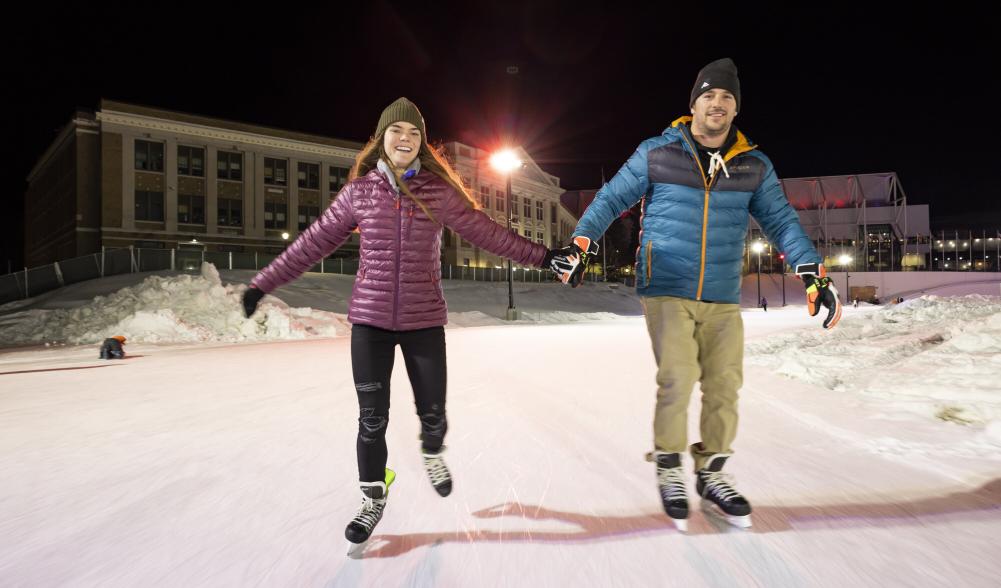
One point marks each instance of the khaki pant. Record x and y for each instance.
(695, 342)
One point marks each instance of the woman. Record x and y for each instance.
(400, 194)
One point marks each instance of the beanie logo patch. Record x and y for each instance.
(704, 85)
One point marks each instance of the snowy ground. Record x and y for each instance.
(221, 453)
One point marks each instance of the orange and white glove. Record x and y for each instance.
(570, 262)
(820, 292)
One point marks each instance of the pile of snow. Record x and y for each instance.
(175, 309)
(936, 356)
(186, 309)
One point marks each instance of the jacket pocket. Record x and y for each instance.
(409, 222)
(648, 270)
(436, 282)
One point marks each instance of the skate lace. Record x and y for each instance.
(720, 484)
(370, 512)
(436, 469)
(671, 480)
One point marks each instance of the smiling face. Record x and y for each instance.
(713, 113)
(402, 142)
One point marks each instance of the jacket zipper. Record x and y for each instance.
(399, 254)
(705, 216)
(649, 260)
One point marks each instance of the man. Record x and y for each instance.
(764, 303)
(113, 348)
(698, 182)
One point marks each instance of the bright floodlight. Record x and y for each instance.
(845, 259)
(285, 236)
(505, 161)
(757, 247)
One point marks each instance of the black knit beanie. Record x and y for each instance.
(401, 110)
(722, 74)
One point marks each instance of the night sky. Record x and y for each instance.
(823, 93)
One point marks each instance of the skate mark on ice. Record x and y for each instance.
(65, 369)
(978, 504)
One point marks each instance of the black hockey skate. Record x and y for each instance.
(374, 496)
(438, 473)
(719, 497)
(673, 496)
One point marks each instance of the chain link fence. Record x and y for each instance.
(110, 262)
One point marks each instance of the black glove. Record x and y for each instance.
(251, 297)
(571, 261)
(820, 291)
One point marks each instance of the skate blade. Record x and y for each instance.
(355, 550)
(680, 524)
(741, 522)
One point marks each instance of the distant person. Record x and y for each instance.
(855, 303)
(113, 348)
(401, 194)
(764, 303)
(699, 182)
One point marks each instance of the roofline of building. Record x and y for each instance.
(81, 119)
(181, 117)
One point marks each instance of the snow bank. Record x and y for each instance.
(937, 356)
(176, 309)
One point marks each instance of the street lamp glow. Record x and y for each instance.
(285, 236)
(845, 259)
(757, 247)
(505, 161)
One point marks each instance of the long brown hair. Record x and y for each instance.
(433, 159)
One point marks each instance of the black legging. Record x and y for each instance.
(372, 353)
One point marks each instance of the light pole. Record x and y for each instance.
(506, 162)
(758, 247)
(782, 260)
(285, 239)
(844, 260)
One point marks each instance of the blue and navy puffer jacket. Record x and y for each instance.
(693, 226)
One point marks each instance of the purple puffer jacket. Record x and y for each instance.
(398, 285)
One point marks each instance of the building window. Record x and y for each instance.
(528, 208)
(540, 238)
(539, 212)
(528, 234)
(485, 197)
(552, 214)
(191, 209)
(464, 152)
(229, 166)
(338, 177)
(514, 207)
(230, 212)
(307, 214)
(275, 215)
(447, 237)
(149, 206)
(275, 171)
(309, 176)
(190, 161)
(149, 156)
(499, 202)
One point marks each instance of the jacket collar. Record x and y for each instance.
(682, 126)
(390, 177)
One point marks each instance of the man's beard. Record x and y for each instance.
(713, 131)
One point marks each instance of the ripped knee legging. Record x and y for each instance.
(373, 351)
